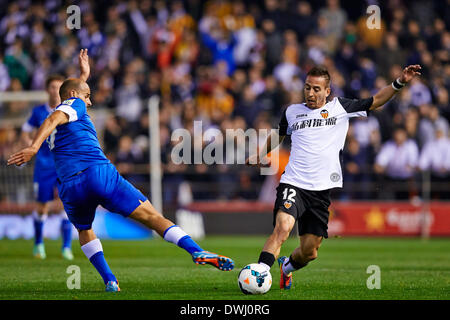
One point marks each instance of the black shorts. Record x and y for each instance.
(309, 208)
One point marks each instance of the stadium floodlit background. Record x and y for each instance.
(235, 65)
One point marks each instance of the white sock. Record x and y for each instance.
(265, 265)
(92, 247)
(288, 267)
(174, 234)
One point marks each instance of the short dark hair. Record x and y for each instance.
(53, 77)
(69, 85)
(319, 71)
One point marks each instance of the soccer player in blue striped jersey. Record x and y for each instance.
(44, 176)
(88, 179)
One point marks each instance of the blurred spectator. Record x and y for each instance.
(127, 155)
(303, 20)
(248, 108)
(4, 75)
(235, 65)
(392, 54)
(397, 160)
(129, 104)
(355, 171)
(431, 119)
(435, 156)
(18, 63)
(221, 47)
(274, 43)
(420, 94)
(286, 71)
(332, 21)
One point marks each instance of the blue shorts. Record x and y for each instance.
(97, 185)
(44, 183)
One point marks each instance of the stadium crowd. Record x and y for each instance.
(236, 64)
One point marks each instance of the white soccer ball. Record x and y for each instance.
(254, 279)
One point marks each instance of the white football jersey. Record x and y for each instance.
(318, 138)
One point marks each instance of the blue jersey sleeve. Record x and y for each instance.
(32, 122)
(75, 108)
(34, 119)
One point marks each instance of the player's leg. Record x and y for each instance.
(312, 227)
(66, 230)
(93, 249)
(300, 257)
(287, 208)
(39, 216)
(80, 204)
(82, 217)
(43, 191)
(283, 225)
(120, 196)
(305, 253)
(146, 214)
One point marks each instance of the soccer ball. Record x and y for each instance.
(254, 279)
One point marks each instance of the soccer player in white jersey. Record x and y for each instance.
(318, 129)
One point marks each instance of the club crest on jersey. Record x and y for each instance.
(287, 204)
(324, 113)
(335, 177)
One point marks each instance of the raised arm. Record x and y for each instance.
(85, 69)
(386, 94)
(55, 119)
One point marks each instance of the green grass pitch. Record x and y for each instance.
(155, 269)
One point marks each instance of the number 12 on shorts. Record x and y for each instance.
(289, 194)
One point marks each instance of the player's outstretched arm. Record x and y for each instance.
(273, 141)
(85, 69)
(386, 94)
(55, 119)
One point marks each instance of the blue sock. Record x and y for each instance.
(189, 245)
(66, 230)
(99, 262)
(38, 227)
(177, 236)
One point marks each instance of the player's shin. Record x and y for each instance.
(38, 222)
(66, 231)
(94, 252)
(177, 236)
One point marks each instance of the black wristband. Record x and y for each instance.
(397, 85)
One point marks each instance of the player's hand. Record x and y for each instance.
(83, 60)
(255, 161)
(22, 156)
(410, 72)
